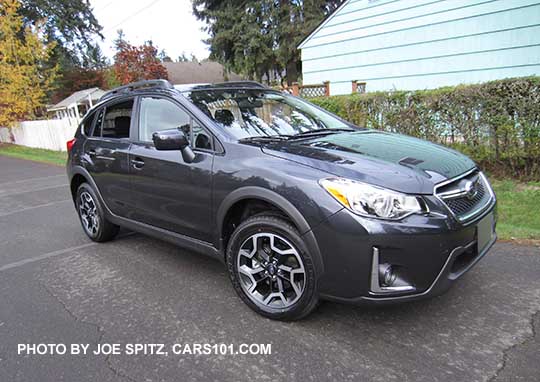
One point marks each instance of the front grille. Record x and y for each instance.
(466, 202)
(463, 205)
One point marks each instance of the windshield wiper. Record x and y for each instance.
(266, 138)
(320, 132)
(286, 137)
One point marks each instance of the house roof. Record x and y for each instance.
(78, 97)
(198, 72)
(321, 24)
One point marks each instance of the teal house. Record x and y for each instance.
(370, 45)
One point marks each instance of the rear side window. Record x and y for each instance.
(87, 125)
(98, 124)
(117, 120)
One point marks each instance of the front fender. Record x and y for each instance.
(254, 192)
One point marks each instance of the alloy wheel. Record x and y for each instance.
(89, 213)
(271, 271)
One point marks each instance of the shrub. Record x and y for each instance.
(496, 123)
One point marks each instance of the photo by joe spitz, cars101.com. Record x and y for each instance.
(300, 205)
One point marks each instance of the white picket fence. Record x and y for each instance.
(49, 134)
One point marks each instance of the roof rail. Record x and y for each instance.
(158, 84)
(253, 84)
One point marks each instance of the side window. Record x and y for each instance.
(160, 114)
(117, 120)
(87, 125)
(98, 123)
(201, 139)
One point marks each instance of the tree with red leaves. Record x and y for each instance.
(135, 63)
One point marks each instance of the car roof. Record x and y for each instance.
(221, 85)
(164, 85)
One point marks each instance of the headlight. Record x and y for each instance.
(372, 201)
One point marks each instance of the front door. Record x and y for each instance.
(168, 192)
(106, 155)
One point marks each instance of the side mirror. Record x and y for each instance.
(173, 140)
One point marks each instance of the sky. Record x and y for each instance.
(170, 24)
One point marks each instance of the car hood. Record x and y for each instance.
(394, 161)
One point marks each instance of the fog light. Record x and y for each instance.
(388, 276)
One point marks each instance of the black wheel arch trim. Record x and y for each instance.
(264, 194)
(79, 170)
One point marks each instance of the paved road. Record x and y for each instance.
(57, 287)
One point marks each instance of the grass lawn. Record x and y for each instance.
(39, 155)
(519, 210)
(519, 203)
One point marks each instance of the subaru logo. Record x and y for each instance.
(471, 189)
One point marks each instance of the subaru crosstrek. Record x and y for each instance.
(299, 204)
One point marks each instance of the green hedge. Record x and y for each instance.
(496, 123)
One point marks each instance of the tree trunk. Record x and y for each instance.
(292, 72)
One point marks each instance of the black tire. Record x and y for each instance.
(281, 228)
(103, 229)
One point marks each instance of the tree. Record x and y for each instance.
(71, 24)
(72, 29)
(257, 38)
(164, 57)
(293, 21)
(182, 58)
(134, 63)
(92, 73)
(77, 79)
(24, 79)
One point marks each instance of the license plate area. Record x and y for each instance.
(484, 231)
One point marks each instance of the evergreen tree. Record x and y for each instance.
(182, 58)
(257, 38)
(71, 24)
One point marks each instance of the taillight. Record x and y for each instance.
(70, 143)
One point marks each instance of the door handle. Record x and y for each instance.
(137, 163)
(91, 152)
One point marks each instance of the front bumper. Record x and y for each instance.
(431, 251)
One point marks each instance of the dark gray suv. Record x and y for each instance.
(298, 203)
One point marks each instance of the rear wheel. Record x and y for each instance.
(92, 215)
(271, 269)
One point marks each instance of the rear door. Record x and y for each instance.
(106, 154)
(168, 192)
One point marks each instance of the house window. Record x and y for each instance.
(361, 87)
(358, 87)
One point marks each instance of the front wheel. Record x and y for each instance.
(271, 269)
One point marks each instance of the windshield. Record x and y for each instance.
(253, 112)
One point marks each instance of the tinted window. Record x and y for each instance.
(160, 114)
(98, 124)
(117, 120)
(201, 139)
(87, 125)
